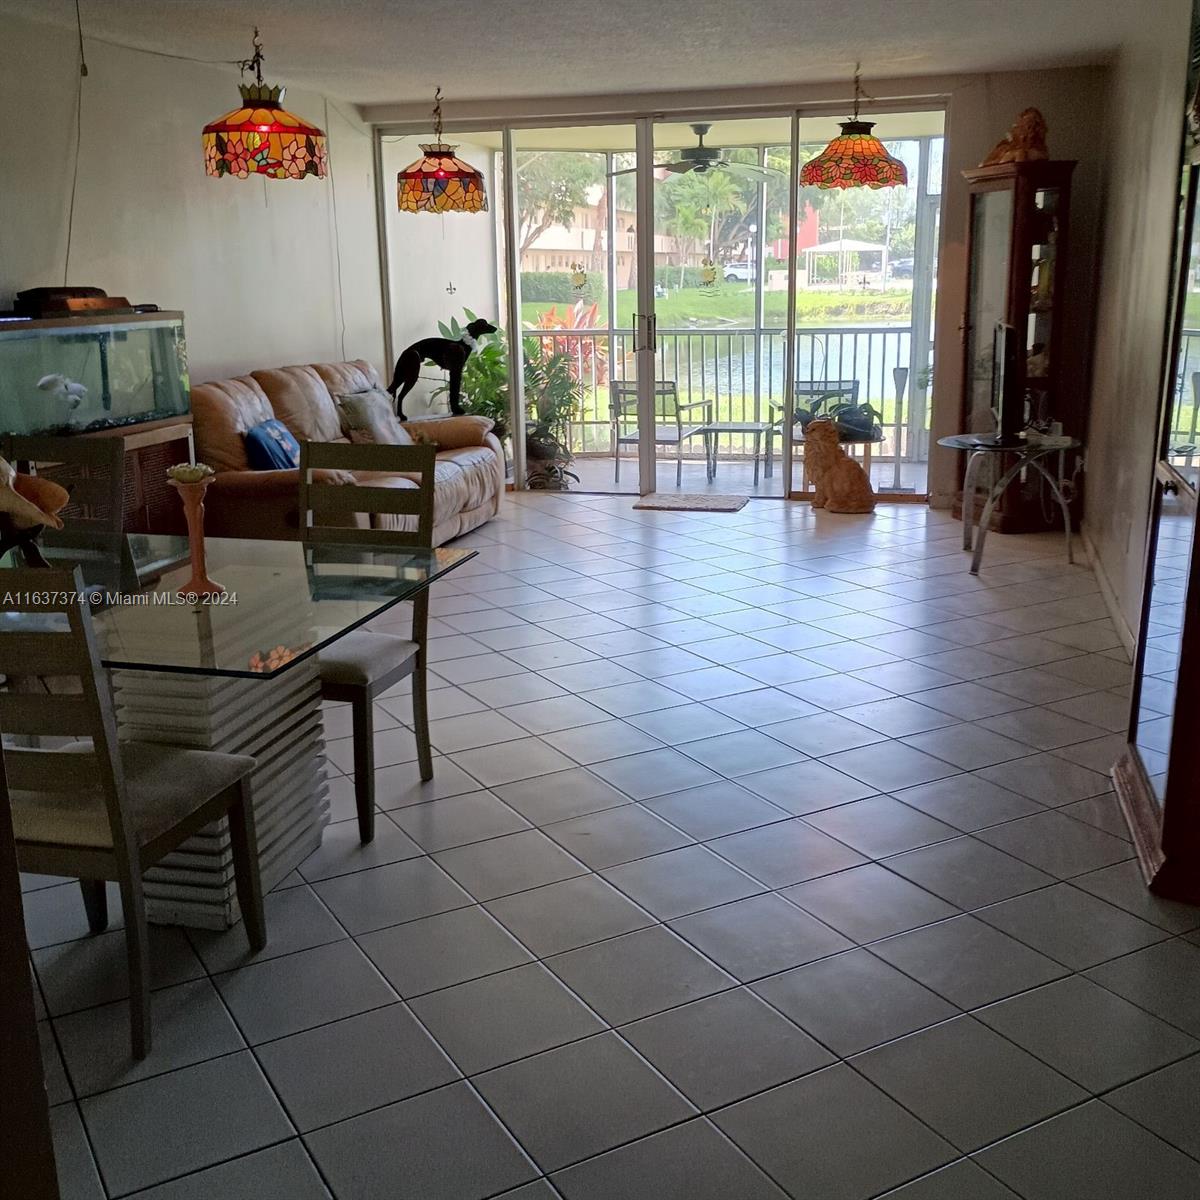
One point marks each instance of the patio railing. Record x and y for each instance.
(741, 372)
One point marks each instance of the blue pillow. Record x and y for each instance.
(271, 447)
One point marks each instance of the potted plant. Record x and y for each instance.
(854, 421)
(485, 376)
(551, 397)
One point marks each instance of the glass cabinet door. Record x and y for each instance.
(991, 240)
(1043, 256)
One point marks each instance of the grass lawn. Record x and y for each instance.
(733, 304)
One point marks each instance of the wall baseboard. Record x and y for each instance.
(1107, 591)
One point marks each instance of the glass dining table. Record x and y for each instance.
(238, 674)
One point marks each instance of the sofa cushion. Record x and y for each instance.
(449, 433)
(271, 447)
(477, 469)
(342, 378)
(302, 402)
(367, 417)
(222, 413)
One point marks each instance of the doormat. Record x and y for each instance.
(686, 502)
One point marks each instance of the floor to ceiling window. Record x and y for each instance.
(726, 396)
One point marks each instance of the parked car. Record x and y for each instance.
(901, 268)
(738, 272)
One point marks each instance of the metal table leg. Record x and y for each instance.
(1064, 506)
(757, 450)
(1002, 485)
(968, 497)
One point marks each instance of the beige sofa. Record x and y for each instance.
(264, 504)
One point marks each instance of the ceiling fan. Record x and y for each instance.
(701, 158)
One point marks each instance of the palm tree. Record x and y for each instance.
(689, 224)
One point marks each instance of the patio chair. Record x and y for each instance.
(363, 665)
(804, 392)
(673, 423)
(99, 809)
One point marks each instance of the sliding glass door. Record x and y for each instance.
(576, 250)
(721, 193)
(673, 304)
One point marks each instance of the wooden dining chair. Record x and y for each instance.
(99, 809)
(359, 667)
(92, 469)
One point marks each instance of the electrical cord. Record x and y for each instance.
(83, 70)
(337, 239)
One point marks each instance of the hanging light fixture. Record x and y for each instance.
(262, 137)
(439, 181)
(856, 157)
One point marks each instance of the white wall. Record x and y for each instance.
(1146, 103)
(252, 263)
(430, 252)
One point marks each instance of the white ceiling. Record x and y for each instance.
(380, 51)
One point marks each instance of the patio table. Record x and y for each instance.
(757, 428)
(193, 674)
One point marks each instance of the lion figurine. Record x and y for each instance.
(840, 485)
(1024, 142)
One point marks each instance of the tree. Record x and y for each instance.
(689, 224)
(551, 185)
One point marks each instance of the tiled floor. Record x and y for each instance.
(767, 855)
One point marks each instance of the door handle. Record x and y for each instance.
(653, 321)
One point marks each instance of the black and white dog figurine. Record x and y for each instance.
(450, 355)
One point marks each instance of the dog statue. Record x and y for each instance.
(1024, 142)
(840, 485)
(450, 355)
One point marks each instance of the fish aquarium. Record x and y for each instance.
(76, 374)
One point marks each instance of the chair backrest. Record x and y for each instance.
(323, 504)
(46, 630)
(666, 401)
(840, 389)
(92, 469)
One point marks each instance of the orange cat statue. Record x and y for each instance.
(840, 485)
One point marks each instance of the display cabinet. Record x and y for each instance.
(1012, 328)
(1158, 776)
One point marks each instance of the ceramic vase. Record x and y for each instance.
(192, 495)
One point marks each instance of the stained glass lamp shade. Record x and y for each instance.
(855, 158)
(261, 137)
(439, 181)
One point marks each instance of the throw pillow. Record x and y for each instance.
(368, 417)
(452, 433)
(271, 447)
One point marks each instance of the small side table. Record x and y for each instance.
(1029, 455)
(756, 428)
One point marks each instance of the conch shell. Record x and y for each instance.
(29, 500)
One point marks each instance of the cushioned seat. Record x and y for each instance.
(361, 656)
(163, 785)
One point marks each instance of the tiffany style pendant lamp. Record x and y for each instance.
(262, 137)
(439, 181)
(856, 157)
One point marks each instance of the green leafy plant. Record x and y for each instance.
(485, 376)
(552, 396)
(852, 420)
